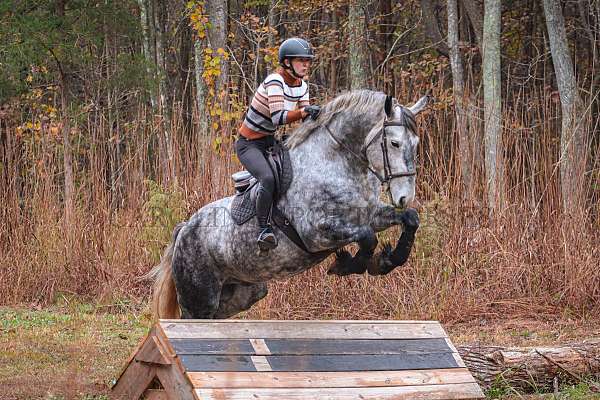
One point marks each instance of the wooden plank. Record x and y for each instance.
(358, 346)
(152, 352)
(140, 344)
(450, 345)
(458, 360)
(133, 381)
(173, 378)
(261, 363)
(329, 379)
(194, 362)
(213, 346)
(316, 363)
(155, 394)
(375, 362)
(290, 330)
(298, 321)
(426, 392)
(260, 347)
(309, 346)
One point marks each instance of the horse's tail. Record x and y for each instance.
(164, 296)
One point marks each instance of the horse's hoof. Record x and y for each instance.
(342, 265)
(384, 264)
(410, 220)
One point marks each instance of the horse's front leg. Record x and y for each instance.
(389, 259)
(345, 263)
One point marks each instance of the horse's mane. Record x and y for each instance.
(358, 102)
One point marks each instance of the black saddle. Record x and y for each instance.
(243, 207)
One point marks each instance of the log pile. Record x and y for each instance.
(533, 367)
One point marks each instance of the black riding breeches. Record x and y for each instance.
(253, 156)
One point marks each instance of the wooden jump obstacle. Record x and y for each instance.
(308, 360)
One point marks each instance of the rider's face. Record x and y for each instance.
(301, 65)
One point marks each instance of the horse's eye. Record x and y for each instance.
(395, 144)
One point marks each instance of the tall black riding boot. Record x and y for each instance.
(266, 238)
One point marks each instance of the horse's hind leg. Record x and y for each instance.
(238, 297)
(198, 288)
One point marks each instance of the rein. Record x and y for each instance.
(362, 158)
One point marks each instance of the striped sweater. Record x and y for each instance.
(277, 101)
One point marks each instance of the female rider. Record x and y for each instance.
(282, 98)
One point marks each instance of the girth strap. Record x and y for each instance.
(284, 224)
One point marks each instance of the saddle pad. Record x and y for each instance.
(243, 207)
(243, 204)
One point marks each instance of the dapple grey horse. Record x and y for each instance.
(362, 138)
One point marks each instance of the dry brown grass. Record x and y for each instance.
(530, 260)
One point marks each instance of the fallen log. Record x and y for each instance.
(533, 367)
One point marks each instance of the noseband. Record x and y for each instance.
(387, 170)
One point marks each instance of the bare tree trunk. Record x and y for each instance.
(458, 84)
(494, 164)
(160, 17)
(356, 45)
(66, 130)
(432, 28)
(200, 88)
(184, 87)
(473, 9)
(67, 153)
(203, 133)
(217, 34)
(573, 134)
(116, 184)
(333, 63)
(148, 55)
(386, 28)
(274, 14)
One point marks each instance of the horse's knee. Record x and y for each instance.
(248, 295)
(368, 242)
(261, 292)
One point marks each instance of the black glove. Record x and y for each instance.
(313, 111)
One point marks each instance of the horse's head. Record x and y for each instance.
(391, 149)
(376, 137)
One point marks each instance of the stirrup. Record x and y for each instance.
(267, 239)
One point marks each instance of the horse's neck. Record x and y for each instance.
(319, 164)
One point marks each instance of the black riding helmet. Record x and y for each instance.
(294, 48)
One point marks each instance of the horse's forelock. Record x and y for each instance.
(357, 102)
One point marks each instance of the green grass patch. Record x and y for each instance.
(72, 351)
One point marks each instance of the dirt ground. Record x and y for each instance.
(74, 351)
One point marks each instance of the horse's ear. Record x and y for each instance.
(388, 105)
(421, 104)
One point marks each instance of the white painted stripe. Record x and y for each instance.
(261, 364)
(260, 347)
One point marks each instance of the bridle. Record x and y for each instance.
(362, 157)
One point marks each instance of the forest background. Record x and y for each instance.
(117, 120)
